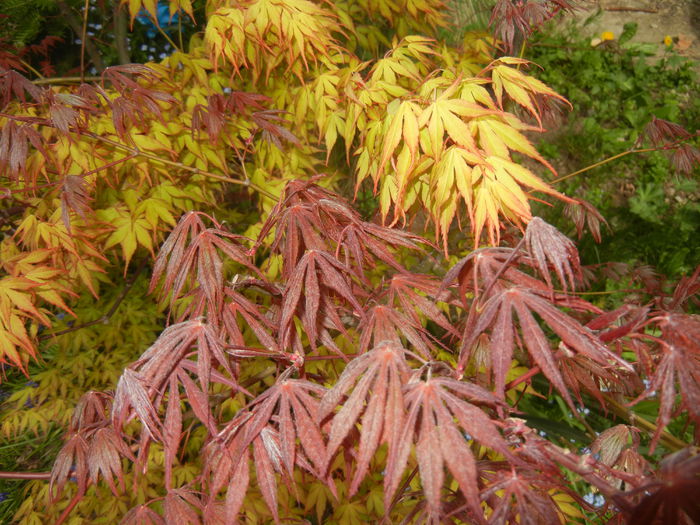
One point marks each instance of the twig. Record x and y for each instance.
(502, 269)
(156, 158)
(631, 9)
(672, 442)
(664, 147)
(399, 492)
(65, 80)
(25, 475)
(75, 25)
(106, 317)
(73, 502)
(83, 38)
(602, 162)
(121, 37)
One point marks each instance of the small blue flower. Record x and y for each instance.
(163, 16)
(4, 496)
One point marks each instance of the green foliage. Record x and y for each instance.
(615, 89)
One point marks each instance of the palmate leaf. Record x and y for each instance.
(140, 391)
(581, 373)
(75, 197)
(523, 497)
(93, 449)
(393, 409)
(523, 89)
(679, 363)
(673, 497)
(14, 84)
(383, 323)
(190, 254)
(499, 313)
(272, 424)
(180, 506)
(547, 246)
(403, 291)
(363, 244)
(142, 515)
(376, 402)
(320, 276)
(297, 221)
(440, 412)
(488, 271)
(499, 188)
(312, 218)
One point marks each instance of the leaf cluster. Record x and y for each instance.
(302, 358)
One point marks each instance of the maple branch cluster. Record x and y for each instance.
(442, 392)
(316, 351)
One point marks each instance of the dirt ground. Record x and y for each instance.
(656, 19)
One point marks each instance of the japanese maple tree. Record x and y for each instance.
(296, 358)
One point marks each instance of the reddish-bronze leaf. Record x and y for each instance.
(439, 420)
(74, 197)
(498, 313)
(274, 422)
(679, 362)
(321, 277)
(402, 290)
(376, 402)
(70, 461)
(547, 246)
(140, 389)
(531, 491)
(15, 84)
(179, 507)
(142, 515)
(190, 257)
(673, 498)
(584, 214)
(105, 457)
(172, 430)
(383, 323)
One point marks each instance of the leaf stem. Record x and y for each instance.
(672, 442)
(137, 152)
(65, 80)
(24, 475)
(83, 36)
(106, 317)
(602, 162)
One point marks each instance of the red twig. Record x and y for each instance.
(25, 475)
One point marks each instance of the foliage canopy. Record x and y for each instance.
(306, 359)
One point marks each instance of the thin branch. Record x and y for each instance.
(399, 492)
(665, 147)
(106, 317)
(76, 26)
(602, 162)
(30, 68)
(630, 10)
(65, 80)
(156, 158)
(672, 442)
(502, 269)
(121, 37)
(73, 502)
(83, 37)
(25, 475)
